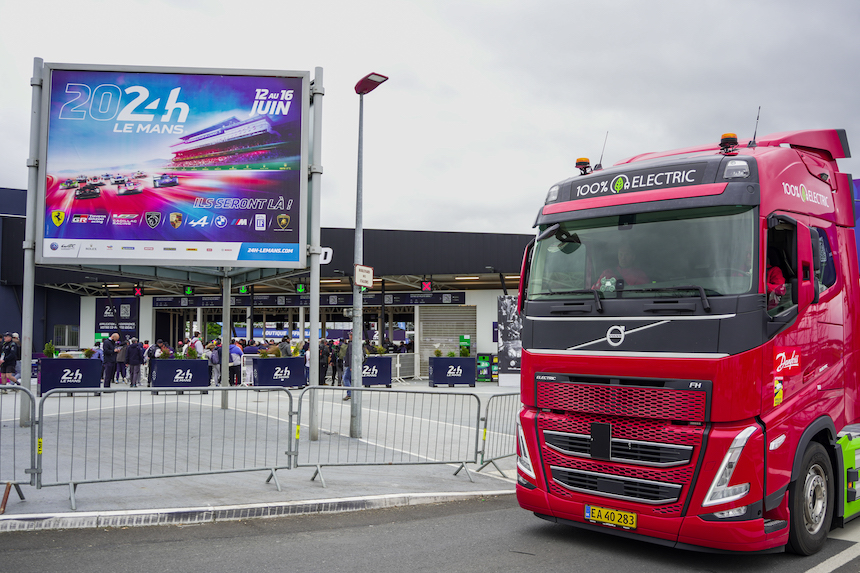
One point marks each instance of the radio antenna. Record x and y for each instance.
(599, 165)
(753, 143)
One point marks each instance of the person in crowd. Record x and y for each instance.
(213, 356)
(347, 365)
(111, 350)
(17, 340)
(98, 354)
(235, 363)
(625, 271)
(197, 344)
(252, 347)
(332, 361)
(121, 357)
(324, 359)
(134, 359)
(164, 350)
(285, 348)
(151, 356)
(8, 357)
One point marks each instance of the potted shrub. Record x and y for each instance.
(452, 369)
(67, 372)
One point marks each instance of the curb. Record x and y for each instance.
(210, 514)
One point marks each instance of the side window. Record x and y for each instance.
(827, 272)
(781, 267)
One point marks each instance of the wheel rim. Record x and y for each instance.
(814, 499)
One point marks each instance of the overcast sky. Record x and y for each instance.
(489, 102)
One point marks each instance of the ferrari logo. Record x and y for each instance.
(283, 221)
(58, 217)
(176, 220)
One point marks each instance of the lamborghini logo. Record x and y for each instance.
(58, 217)
(283, 221)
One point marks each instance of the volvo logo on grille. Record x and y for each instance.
(615, 335)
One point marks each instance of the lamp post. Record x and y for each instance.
(364, 86)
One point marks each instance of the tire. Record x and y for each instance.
(811, 499)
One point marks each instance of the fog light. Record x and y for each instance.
(736, 512)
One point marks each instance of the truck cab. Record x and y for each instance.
(689, 346)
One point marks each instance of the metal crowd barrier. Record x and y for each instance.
(402, 367)
(116, 434)
(500, 429)
(386, 427)
(17, 442)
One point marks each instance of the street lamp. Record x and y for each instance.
(364, 86)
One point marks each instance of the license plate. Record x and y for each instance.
(613, 517)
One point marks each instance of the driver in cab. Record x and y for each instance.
(625, 271)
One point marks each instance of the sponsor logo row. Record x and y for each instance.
(155, 219)
(113, 248)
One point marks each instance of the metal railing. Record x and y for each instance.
(17, 442)
(116, 434)
(402, 367)
(500, 429)
(386, 427)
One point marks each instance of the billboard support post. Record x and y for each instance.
(226, 332)
(314, 248)
(29, 287)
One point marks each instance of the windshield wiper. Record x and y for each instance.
(705, 304)
(593, 291)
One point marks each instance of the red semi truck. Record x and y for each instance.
(690, 347)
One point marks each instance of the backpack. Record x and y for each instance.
(216, 356)
(150, 352)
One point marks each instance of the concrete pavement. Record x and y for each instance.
(195, 499)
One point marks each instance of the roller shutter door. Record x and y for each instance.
(443, 325)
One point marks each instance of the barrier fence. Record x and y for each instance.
(93, 435)
(17, 443)
(500, 429)
(131, 433)
(387, 427)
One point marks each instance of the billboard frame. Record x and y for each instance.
(304, 199)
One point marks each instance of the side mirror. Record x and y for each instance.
(816, 263)
(524, 276)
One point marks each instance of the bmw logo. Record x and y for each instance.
(54, 246)
(221, 221)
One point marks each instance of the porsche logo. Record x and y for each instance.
(175, 220)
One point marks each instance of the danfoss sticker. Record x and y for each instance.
(786, 361)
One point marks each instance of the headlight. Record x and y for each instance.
(524, 460)
(552, 195)
(720, 492)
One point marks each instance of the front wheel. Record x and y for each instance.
(811, 502)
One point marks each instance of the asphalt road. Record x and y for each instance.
(487, 535)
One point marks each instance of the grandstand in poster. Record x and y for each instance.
(174, 167)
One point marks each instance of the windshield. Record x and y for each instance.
(648, 254)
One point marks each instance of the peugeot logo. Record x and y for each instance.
(615, 335)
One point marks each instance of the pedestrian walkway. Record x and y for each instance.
(194, 499)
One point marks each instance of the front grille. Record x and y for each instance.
(661, 453)
(625, 488)
(623, 451)
(626, 401)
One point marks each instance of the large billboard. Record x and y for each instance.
(173, 166)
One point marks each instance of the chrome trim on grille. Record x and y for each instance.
(621, 460)
(677, 487)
